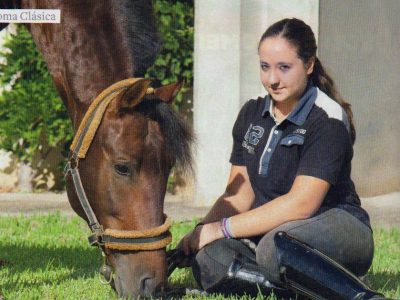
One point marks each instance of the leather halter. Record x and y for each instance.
(149, 239)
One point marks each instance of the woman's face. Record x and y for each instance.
(283, 73)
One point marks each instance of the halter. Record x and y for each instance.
(149, 239)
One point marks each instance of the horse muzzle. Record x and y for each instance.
(131, 277)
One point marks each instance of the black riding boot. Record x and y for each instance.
(247, 278)
(311, 273)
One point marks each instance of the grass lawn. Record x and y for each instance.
(48, 257)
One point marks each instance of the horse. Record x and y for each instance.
(97, 57)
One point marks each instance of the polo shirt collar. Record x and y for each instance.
(300, 113)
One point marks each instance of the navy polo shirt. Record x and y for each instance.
(314, 140)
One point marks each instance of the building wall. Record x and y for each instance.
(216, 92)
(360, 46)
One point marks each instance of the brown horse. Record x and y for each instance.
(140, 138)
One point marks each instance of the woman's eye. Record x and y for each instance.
(123, 170)
(284, 68)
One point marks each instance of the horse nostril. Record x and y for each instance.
(148, 286)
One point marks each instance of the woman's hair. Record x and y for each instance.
(301, 36)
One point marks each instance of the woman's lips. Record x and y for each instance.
(276, 91)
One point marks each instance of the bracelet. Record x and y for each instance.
(223, 229)
(229, 228)
(225, 226)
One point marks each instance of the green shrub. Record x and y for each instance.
(175, 61)
(31, 112)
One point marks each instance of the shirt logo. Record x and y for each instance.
(300, 131)
(252, 137)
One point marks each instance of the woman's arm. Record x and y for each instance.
(237, 198)
(301, 202)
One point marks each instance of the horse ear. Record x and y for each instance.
(134, 94)
(167, 93)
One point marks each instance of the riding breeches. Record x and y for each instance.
(334, 232)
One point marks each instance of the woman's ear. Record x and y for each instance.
(310, 65)
(133, 95)
(167, 93)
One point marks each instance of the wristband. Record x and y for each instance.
(225, 228)
(229, 228)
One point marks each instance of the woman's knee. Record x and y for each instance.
(212, 262)
(335, 233)
(266, 257)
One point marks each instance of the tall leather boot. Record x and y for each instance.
(245, 278)
(309, 272)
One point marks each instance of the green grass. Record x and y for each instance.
(48, 257)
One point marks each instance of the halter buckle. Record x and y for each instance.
(72, 163)
(96, 238)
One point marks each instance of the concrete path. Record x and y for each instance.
(384, 210)
(43, 203)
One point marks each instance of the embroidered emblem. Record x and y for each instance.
(300, 131)
(252, 137)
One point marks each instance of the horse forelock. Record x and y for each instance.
(176, 131)
(136, 19)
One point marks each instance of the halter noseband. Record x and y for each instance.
(149, 239)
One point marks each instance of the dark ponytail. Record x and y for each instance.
(300, 35)
(326, 84)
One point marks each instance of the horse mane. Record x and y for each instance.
(136, 18)
(177, 132)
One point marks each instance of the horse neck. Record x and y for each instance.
(85, 54)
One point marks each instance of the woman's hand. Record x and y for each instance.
(201, 236)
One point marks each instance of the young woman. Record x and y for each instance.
(290, 216)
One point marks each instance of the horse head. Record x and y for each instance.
(125, 172)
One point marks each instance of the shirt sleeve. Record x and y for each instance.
(237, 154)
(325, 151)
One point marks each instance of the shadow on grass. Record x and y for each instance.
(19, 260)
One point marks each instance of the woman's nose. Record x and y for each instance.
(273, 79)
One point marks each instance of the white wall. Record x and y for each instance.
(216, 92)
(359, 45)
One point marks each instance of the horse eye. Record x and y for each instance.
(123, 170)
